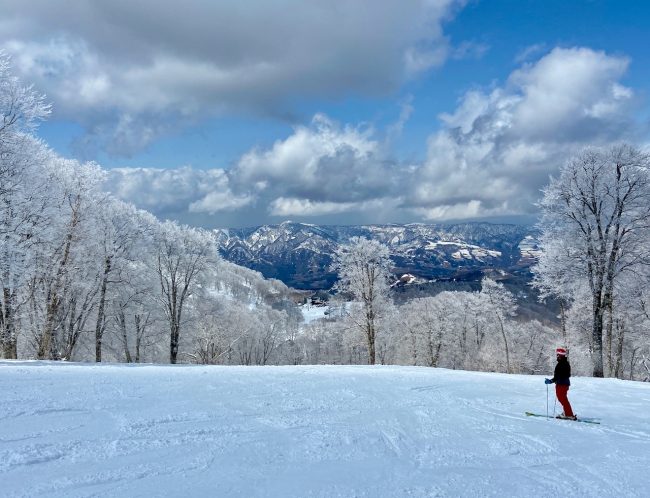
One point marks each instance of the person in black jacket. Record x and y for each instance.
(561, 379)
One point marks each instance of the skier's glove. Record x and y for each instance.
(548, 381)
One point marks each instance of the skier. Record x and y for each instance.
(561, 377)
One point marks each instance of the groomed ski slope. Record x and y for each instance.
(74, 430)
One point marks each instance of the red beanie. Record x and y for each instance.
(560, 351)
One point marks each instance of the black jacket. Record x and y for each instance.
(562, 373)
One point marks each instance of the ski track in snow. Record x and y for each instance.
(73, 430)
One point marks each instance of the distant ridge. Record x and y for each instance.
(300, 254)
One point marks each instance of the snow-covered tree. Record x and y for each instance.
(595, 224)
(122, 233)
(21, 193)
(21, 109)
(77, 200)
(498, 304)
(532, 344)
(363, 267)
(426, 326)
(133, 313)
(183, 255)
(24, 207)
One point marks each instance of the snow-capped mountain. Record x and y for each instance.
(300, 254)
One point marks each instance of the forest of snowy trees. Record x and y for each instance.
(87, 277)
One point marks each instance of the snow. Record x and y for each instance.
(312, 313)
(465, 251)
(529, 247)
(73, 430)
(462, 254)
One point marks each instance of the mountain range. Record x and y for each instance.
(300, 254)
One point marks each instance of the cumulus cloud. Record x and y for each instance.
(158, 61)
(175, 192)
(319, 170)
(284, 207)
(490, 158)
(321, 162)
(305, 207)
(499, 147)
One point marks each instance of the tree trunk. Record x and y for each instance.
(45, 342)
(620, 327)
(139, 331)
(563, 322)
(370, 338)
(70, 334)
(633, 363)
(505, 343)
(434, 352)
(121, 318)
(8, 326)
(371, 348)
(370, 319)
(53, 302)
(597, 338)
(173, 342)
(609, 330)
(644, 363)
(99, 327)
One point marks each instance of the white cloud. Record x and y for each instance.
(446, 212)
(152, 62)
(499, 147)
(215, 202)
(176, 191)
(491, 158)
(565, 88)
(306, 207)
(319, 170)
(322, 162)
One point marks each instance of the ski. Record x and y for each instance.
(584, 420)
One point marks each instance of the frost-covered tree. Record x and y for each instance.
(363, 268)
(531, 343)
(22, 189)
(77, 200)
(498, 304)
(425, 327)
(24, 208)
(595, 224)
(183, 255)
(21, 109)
(123, 234)
(84, 276)
(133, 313)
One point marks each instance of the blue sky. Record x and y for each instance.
(334, 112)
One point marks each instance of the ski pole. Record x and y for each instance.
(547, 402)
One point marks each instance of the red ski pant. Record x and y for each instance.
(561, 393)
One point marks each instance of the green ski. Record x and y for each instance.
(584, 420)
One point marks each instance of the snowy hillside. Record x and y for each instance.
(75, 430)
